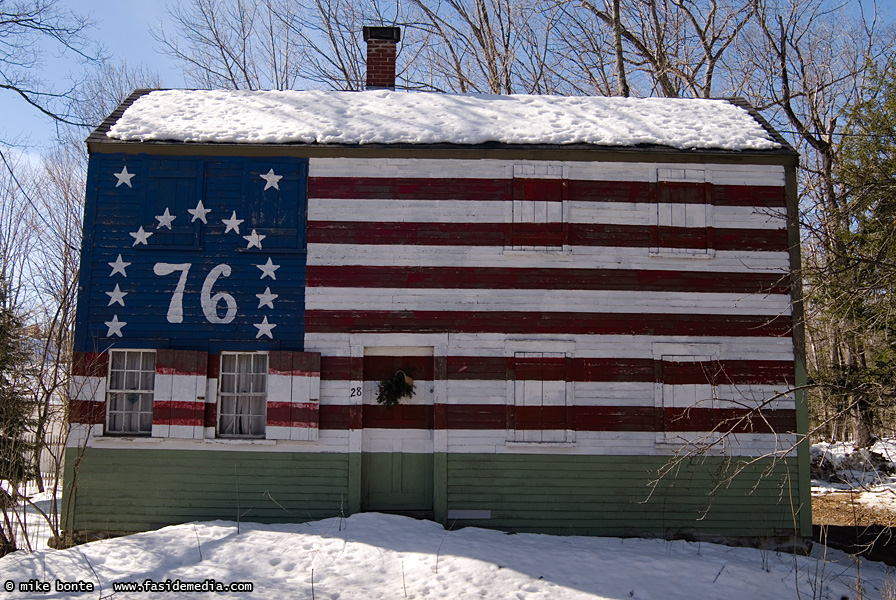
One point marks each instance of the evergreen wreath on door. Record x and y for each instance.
(395, 387)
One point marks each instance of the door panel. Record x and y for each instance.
(397, 451)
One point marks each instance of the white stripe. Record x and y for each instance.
(81, 434)
(495, 392)
(599, 170)
(594, 257)
(748, 217)
(329, 442)
(410, 441)
(400, 211)
(586, 346)
(612, 443)
(179, 388)
(602, 301)
(578, 211)
(588, 443)
(83, 387)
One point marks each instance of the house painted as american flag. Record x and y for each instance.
(593, 297)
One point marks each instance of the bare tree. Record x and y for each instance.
(811, 63)
(674, 47)
(234, 44)
(494, 46)
(27, 31)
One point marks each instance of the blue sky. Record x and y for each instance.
(122, 26)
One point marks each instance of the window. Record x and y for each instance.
(129, 395)
(683, 212)
(689, 403)
(243, 394)
(539, 398)
(539, 192)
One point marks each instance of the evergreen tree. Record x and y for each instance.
(16, 407)
(856, 289)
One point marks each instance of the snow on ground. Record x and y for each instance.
(386, 117)
(374, 556)
(28, 518)
(871, 477)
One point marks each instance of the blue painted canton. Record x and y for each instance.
(201, 253)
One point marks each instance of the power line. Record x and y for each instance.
(31, 203)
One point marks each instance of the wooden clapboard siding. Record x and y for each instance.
(596, 257)
(134, 490)
(128, 490)
(611, 495)
(527, 322)
(431, 247)
(579, 234)
(410, 277)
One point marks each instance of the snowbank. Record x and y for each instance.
(373, 556)
(385, 117)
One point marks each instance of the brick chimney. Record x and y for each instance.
(381, 48)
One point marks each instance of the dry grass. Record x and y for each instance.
(844, 508)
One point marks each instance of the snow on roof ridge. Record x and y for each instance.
(388, 117)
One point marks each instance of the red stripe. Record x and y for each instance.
(577, 418)
(181, 362)
(749, 195)
(87, 412)
(334, 321)
(335, 368)
(380, 188)
(417, 234)
(303, 364)
(402, 416)
(377, 368)
(210, 414)
(540, 369)
(546, 279)
(170, 412)
(90, 364)
(293, 414)
(537, 234)
(540, 190)
(577, 234)
(500, 368)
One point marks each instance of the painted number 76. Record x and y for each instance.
(208, 302)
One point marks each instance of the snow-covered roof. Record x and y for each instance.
(387, 117)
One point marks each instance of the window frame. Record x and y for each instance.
(682, 206)
(126, 414)
(538, 215)
(519, 394)
(260, 397)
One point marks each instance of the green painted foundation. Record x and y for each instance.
(133, 490)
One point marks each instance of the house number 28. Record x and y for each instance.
(208, 301)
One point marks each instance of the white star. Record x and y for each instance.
(115, 327)
(254, 239)
(119, 266)
(118, 296)
(265, 299)
(164, 220)
(140, 236)
(264, 328)
(232, 223)
(271, 180)
(267, 269)
(124, 177)
(199, 212)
